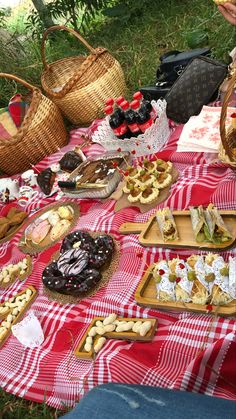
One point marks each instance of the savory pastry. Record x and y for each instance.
(135, 194)
(65, 212)
(133, 172)
(130, 184)
(53, 218)
(3, 229)
(184, 283)
(17, 218)
(161, 164)
(165, 284)
(59, 229)
(218, 230)
(70, 161)
(146, 179)
(163, 180)
(149, 165)
(199, 224)
(220, 290)
(149, 195)
(39, 231)
(45, 180)
(200, 289)
(167, 225)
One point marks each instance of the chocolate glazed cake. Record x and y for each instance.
(81, 260)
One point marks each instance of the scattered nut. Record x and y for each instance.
(89, 339)
(99, 323)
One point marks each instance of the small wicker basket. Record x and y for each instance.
(41, 133)
(80, 85)
(227, 154)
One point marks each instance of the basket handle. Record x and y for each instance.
(224, 114)
(18, 80)
(65, 28)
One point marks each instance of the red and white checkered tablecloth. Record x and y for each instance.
(189, 352)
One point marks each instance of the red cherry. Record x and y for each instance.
(133, 152)
(178, 280)
(126, 173)
(209, 307)
(161, 272)
(149, 147)
(119, 150)
(114, 164)
(181, 265)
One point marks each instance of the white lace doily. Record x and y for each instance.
(232, 277)
(148, 143)
(29, 331)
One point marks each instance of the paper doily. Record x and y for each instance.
(148, 143)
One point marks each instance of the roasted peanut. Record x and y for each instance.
(144, 329)
(92, 332)
(136, 326)
(110, 319)
(99, 344)
(99, 323)
(100, 331)
(109, 327)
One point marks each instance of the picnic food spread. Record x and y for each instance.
(153, 312)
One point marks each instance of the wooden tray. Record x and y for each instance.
(123, 202)
(80, 353)
(19, 277)
(151, 236)
(27, 246)
(145, 295)
(21, 314)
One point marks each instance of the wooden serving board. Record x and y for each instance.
(123, 202)
(150, 234)
(81, 353)
(22, 312)
(28, 247)
(19, 277)
(145, 295)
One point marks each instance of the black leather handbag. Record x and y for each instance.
(194, 88)
(172, 64)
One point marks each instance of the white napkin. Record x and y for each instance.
(202, 132)
(29, 331)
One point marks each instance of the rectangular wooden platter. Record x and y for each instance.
(150, 234)
(145, 295)
(22, 312)
(81, 353)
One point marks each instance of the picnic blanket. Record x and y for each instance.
(190, 352)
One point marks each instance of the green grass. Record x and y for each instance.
(12, 407)
(137, 44)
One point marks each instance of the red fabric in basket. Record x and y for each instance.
(189, 352)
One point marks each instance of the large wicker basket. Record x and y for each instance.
(227, 153)
(80, 85)
(41, 133)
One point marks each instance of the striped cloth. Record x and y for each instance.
(190, 352)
